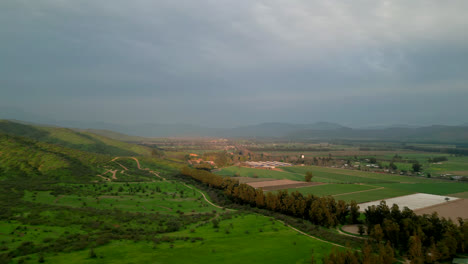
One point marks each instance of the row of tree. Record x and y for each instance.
(324, 211)
(426, 239)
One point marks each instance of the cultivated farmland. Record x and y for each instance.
(413, 202)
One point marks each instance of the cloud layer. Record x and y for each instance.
(225, 63)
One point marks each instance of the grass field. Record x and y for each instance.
(352, 176)
(332, 189)
(242, 239)
(165, 197)
(373, 195)
(440, 188)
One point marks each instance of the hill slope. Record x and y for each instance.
(23, 158)
(85, 141)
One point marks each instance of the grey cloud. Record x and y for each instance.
(233, 61)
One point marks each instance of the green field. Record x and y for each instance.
(440, 188)
(394, 185)
(242, 239)
(332, 189)
(373, 195)
(260, 173)
(164, 197)
(353, 176)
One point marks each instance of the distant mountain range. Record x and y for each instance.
(318, 130)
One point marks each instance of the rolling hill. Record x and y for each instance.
(27, 159)
(80, 140)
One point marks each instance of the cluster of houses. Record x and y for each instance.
(194, 159)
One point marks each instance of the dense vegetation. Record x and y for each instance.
(31, 160)
(424, 239)
(324, 211)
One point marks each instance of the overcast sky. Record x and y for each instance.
(227, 63)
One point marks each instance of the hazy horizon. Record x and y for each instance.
(226, 64)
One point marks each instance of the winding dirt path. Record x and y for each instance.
(305, 234)
(125, 168)
(107, 179)
(204, 197)
(155, 173)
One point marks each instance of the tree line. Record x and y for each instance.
(425, 239)
(323, 211)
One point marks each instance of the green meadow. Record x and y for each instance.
(240, 238)
(164, 197)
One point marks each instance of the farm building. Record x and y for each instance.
(267, 164)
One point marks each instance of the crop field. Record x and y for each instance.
(243, 238)
(460, 195)
(453, 165)
(165, 197)
(452, 210)
(280, 184)
(374, 186)
(333, 189)
(439, 188)
(260, 173)
(373, 195)
(413, 201)
(351, 176)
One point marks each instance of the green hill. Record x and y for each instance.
(84, 141)
(25, 159)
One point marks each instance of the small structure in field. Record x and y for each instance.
(266, 164)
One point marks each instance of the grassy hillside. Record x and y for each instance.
(22, 158)
(85, 141)
(113, 135)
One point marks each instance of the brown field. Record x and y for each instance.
(452, 210)
(460, 195)
(353, 229)
(460, 173)
(281, 184)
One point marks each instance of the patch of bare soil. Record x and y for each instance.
(452, 210)
(353, 229)
(460, 173)
(460, 195)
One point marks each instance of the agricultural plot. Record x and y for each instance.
(241, 239)
(333, 189)
(353, 176)
(439, 188)
(454, 165)
(260, 173)
(280, 184)
(413, 202)
(164, 197)
(452, 210)
(372, 195)
(463, 195)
